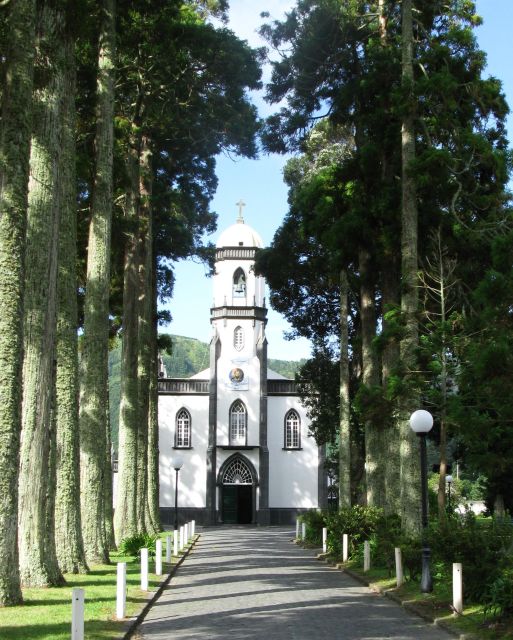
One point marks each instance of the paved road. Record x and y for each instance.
(245, 583)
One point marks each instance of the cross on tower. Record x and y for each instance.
(240, 204)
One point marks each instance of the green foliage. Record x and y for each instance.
(482, 548)
(314, 521)
(498, 598)
(132, 545)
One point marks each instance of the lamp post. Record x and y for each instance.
(421, 422)
(448, 479)
(177, 464)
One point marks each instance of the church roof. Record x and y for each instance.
(239, 234)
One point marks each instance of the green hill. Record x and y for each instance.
(189, 356)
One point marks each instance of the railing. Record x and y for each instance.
(182, 386)
(235, 253)
(259, 313)
(281, 387)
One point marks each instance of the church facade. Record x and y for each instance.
(239, 426)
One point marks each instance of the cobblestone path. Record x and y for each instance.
(243, 583)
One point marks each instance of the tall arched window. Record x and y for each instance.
(238, 423)
(183, 429)
(292, 430)
(239, 283)
(238, 338)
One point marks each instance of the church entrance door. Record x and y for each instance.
(237, 491)
(237, 503)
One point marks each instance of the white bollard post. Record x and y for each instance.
(181, 537)
(186, 533)
(77, 614)
(168, 549)
(121, 591)
(158, 557)
(175, 542)
(324, 540)
(144, 569)
(297, 529)
(366, 555)
(457, 587)
(345, 547)
(399, 567)
(303, 530)
(193, 528)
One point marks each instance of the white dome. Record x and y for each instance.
(239, 235)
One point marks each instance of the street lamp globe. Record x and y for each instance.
(421, 421)
(176, 462)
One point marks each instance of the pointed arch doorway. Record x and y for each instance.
(237, 482)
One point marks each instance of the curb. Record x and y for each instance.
(130, 624)
(409, 605)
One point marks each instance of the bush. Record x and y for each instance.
(498, 598)
(314, 521)
(131, 546)
(482, 548)
(357, 521)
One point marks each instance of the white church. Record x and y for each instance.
(239, 426)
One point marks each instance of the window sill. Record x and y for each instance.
(182, 447)
(292, 448)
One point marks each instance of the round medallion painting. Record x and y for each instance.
(236, 375)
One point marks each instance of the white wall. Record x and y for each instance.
(223, 284)
(193, 475)
(293, 474)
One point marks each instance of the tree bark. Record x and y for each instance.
(15, 132)
(389, 363)
(125, 516)
(344, 436)
(153, 524)
(94, 392)
(38, 562)
(374, 458)
(409, 447)
(145, 318)
(68, 522)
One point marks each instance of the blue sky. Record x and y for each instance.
(259, 182)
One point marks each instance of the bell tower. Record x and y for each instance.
(238, 396)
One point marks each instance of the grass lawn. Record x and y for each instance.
(46, 613)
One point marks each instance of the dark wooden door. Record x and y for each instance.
(237, 503)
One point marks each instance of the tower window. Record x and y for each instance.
(292, 430)
(183, 429)
(238, 338)
(238, 423)
(239, 283)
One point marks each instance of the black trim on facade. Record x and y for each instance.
(282, 388)
(183, 386)
(322, 479)
(211, 507)
(263, 506)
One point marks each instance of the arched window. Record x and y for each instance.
(238, 423)
(238, 338)
(239, 283)
(183, 429)
(292, 430)
(237, 472)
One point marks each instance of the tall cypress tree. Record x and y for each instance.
(15, 132)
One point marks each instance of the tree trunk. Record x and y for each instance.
(94, 392)
(344, 436)
(68, 522)
(125, 516)
(409, 447)
(390, 361)
(374, 457)
(15, 132)
(38, 562)
(153, 524)
(145, 319)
